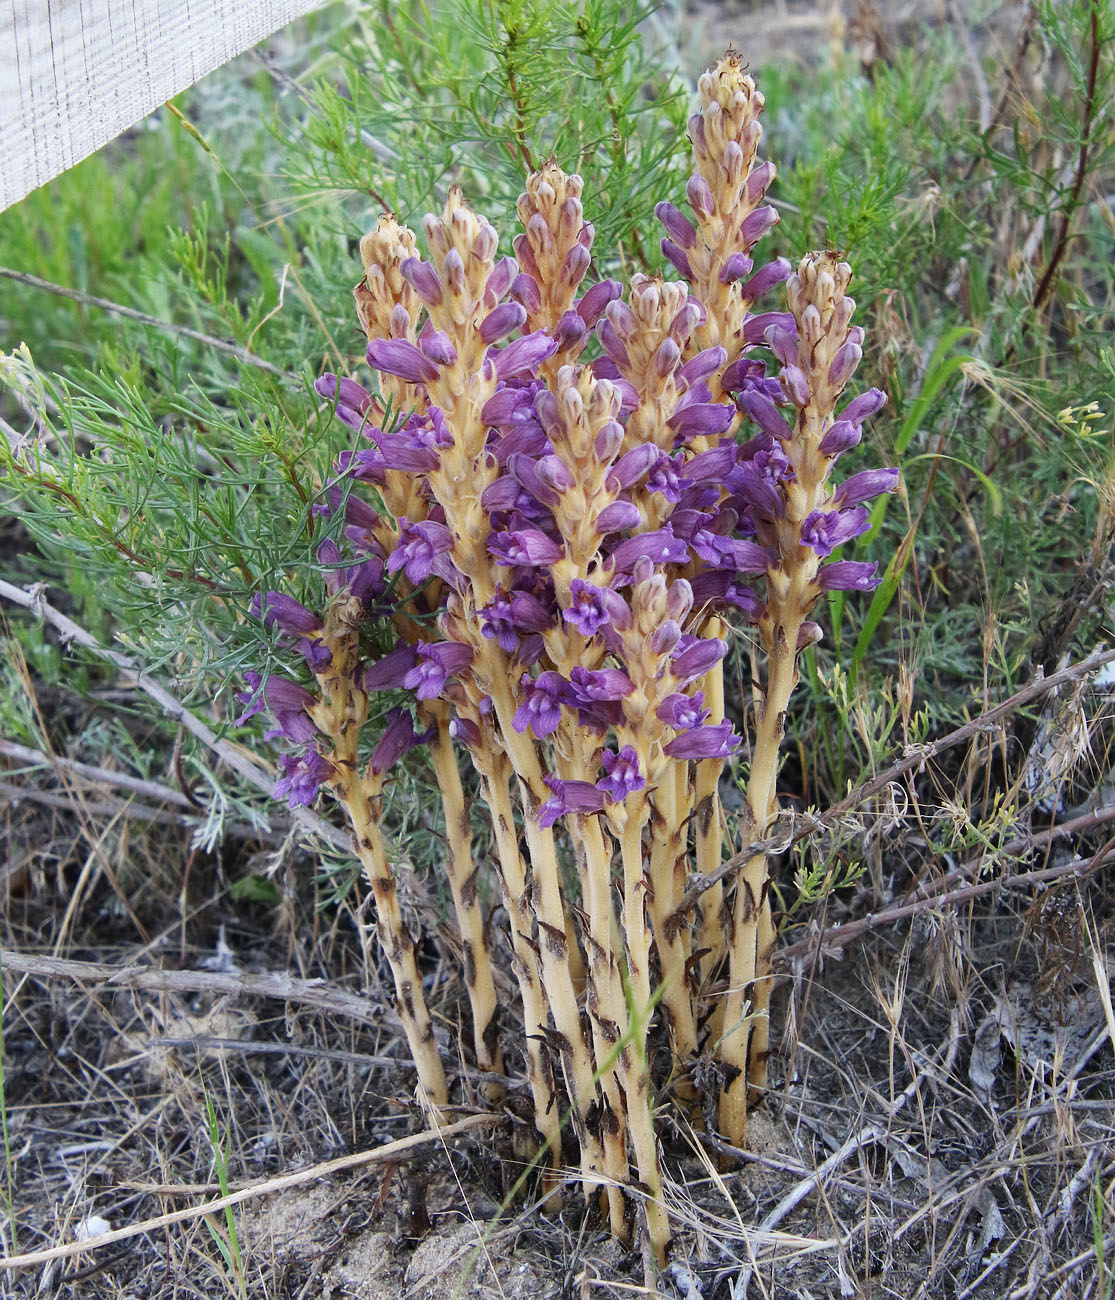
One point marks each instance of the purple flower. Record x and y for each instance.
(863, 486)
(316, 653)
(825, 530)
(664, 477)
(676, 257)
(600, 684)
(570, 329)
(435, 665)
(420, 549)
(839, 437)
(758, 407)
(844, 364)
(750, 375)
(292, 617)
(424, 279)
(700, 420)
(501, 321)
(699, 743)
(660, 546)
(352, 402)
(591, 307)
(252, 698)
(398, 737)
(526, 546)
(696, 659)
(623, 775)
(586, 611)
(617, 518)
(730, 553)
(524, 354)
(391, 670)
(436, 345)
(765, 278)
(402, 359)
(632, 466)
(677, 226)
(541, 706)
(683, 712)
(569, 797)
(303, 775)
(510, 613)
(757, 223)
(848, 575)
(864, 406)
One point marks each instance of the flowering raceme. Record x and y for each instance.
(579, 492)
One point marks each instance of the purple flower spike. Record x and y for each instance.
(848, 575)
(623, 775)
(825, 530)
(420, 549)
(678, 227)
(759, 408)
(864, 406)
(436, 664)
(683, 712)
(586, 611)
(704, 742)
(291, 616)
(541, 706)
(591, 307)
(695, 660)
(865, 485)
(402, 359)
(304, 775)
(500, 322)
(526, 546)
(524, 354)
(398, 737)
(569, 797)
(839, 437)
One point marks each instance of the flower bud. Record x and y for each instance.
(766, 278)
(575, 264)
(864, 406)
(735, 268)
(757, 223)
(591, 307)
(677, 226)
(676, 258)
(665, 637)
(424, 280)
(617, 517)
(501, 321)
(839, 437)
(699, 194)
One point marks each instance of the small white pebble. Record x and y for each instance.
(90, 1227)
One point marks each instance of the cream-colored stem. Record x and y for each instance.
(633, 1058)
(672, 940)
(709, 831)
(399, 949)
(549, 911)
(462, 872)
(547, 1116)
(606, 1005)
(743, 1047)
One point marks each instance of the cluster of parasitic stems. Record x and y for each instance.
(564, 500)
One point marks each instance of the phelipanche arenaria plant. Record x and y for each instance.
(566, 498)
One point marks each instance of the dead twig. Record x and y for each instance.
(90, 300)
(285, 988)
